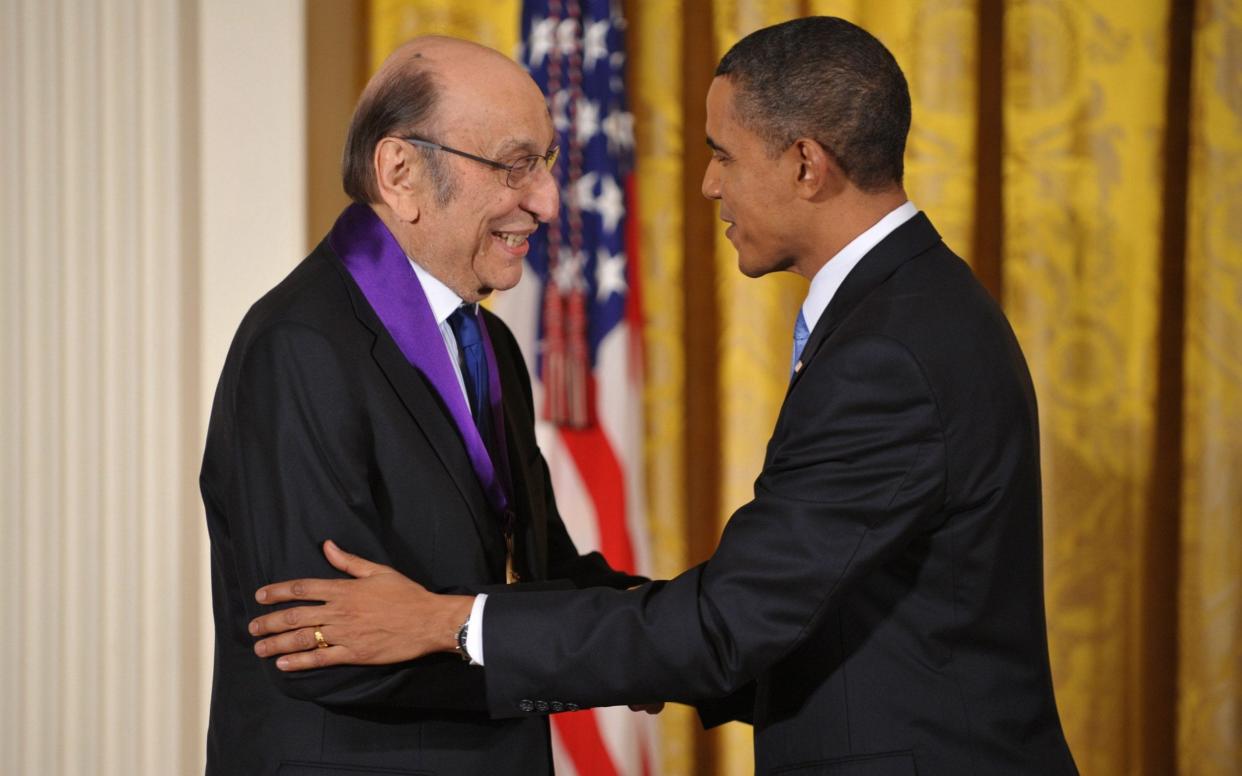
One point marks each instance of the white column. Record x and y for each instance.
(150, 187)
(251, 136)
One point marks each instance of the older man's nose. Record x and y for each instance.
(543, 196)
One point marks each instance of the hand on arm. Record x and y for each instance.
(378, 617)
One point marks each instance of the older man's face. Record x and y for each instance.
(481, 235)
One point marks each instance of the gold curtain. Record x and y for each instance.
(1085, 156)
(495, 23)
(1209, 598)
(1084, 111)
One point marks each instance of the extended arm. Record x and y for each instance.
(856, 471)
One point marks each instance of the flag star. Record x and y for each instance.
(560, 110)
(567, 37)
(610, 204)
(586, 115)
(609, 274)
(595, 43)
(584, 191)
(619, 127)
(541, 40)
(568, 271)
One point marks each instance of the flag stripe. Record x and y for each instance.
(580, 733)
(584, 317)
(597, 464)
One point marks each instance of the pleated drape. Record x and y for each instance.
(1209, 643)
(1084, 115)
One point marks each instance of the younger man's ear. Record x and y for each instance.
(818, 173)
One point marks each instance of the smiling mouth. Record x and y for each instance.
(512, 239)
(516, 244)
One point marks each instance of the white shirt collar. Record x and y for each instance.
(441, 298)
(828, 280)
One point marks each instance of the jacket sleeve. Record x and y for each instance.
(301, 449)
(854, 471)
(739, 706)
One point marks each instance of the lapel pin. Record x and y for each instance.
(797, 367)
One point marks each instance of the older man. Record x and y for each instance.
(877, 608)
(368, 399)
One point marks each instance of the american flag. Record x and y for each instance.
(576, 315)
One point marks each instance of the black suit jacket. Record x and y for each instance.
(321, 429)
(877, 608)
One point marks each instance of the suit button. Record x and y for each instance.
(571, 707)
(525, 705)
(541, 706)
(556, 706)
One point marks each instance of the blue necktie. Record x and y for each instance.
(465, 325)
(801, 335)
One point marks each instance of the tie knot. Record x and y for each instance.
(465, 325)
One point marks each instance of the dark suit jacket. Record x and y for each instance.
(321, 429)
(877, 609)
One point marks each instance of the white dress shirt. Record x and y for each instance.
(443, 302)
(830, 276)
(823, 287)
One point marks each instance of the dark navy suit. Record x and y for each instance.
(877, 609)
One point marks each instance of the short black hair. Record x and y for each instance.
(829, 80)
(403, 104)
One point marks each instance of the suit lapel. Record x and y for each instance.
(432, 418)
(907, 241)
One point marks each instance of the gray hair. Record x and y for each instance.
(401, 104)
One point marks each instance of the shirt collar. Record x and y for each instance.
(830, 276)
(441, 298)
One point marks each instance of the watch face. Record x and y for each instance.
(461, 640)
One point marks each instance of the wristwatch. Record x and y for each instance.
(461, 641)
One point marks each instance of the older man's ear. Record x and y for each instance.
(401, 187)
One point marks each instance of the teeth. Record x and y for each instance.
(512, 240)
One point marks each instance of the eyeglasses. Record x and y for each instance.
(518, 173)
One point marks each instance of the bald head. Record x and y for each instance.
(426, 84)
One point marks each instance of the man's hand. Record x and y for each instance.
(379, 617)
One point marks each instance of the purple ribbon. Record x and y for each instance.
(380, 268)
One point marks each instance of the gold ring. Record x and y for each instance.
(320, 642)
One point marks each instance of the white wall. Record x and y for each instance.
(253, 142)
(151, 187)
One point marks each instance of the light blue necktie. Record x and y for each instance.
(801, 335)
